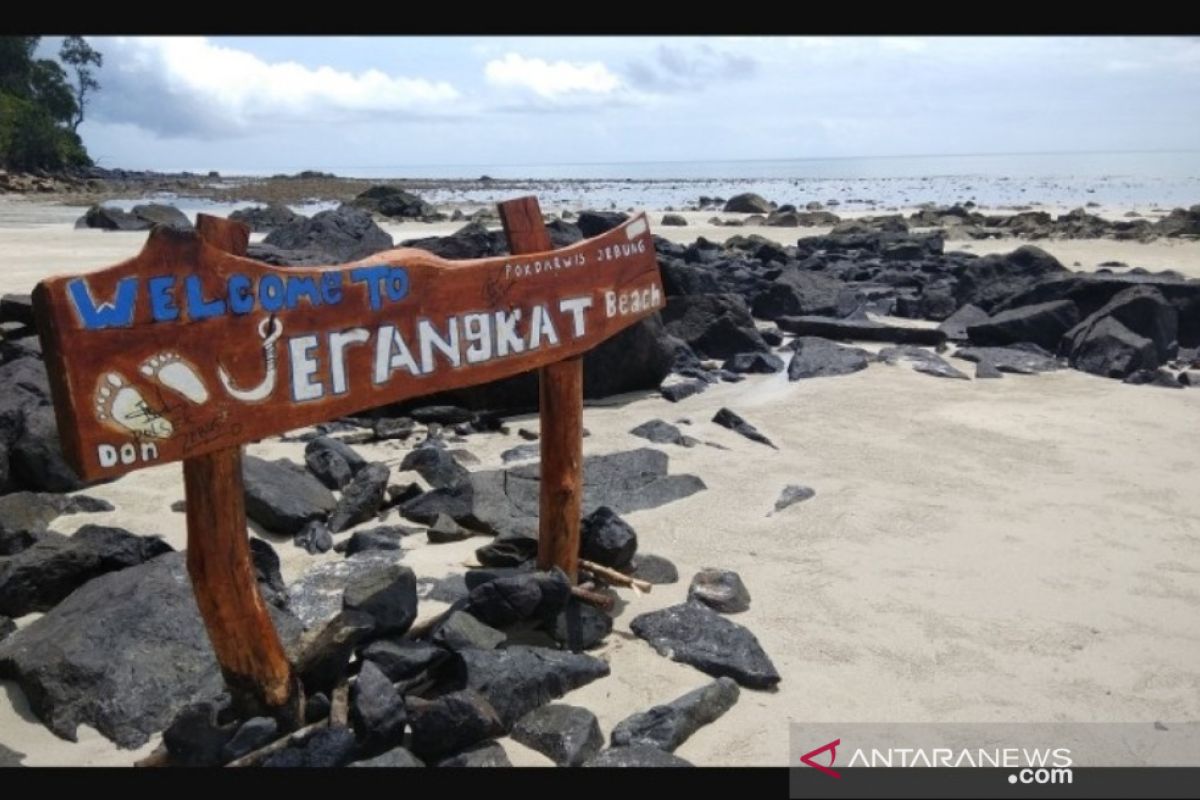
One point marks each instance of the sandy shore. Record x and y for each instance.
(1024, 549)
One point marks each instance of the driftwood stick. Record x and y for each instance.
(254, 757)
(339, 716)
(601, 601)
(612, 576)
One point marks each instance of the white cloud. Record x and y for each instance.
(551, 80)
(698, 67)
(189, 85)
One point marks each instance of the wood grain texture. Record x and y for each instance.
(561, 491)
(617, 272)
(560, 407)
(245, 642)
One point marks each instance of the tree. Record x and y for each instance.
(52, 91)
(80, 56)
(39, 108)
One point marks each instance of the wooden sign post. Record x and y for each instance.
(560, 407)
(189, 350)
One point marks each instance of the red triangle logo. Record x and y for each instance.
(807, 758)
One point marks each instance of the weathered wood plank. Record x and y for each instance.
(185, 349)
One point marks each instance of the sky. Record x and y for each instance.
(389, 106)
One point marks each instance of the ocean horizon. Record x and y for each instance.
(1143, 180)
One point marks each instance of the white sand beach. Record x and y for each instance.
(1023, 549)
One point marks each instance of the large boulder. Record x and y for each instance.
(264, 219)
(798, 292)
(160, 214)
(1043, 324)
(343, 234)
(713, 325)
(747, 203)
(594, 223)
(393, 202)
(993, 278)
(43, 574)
(124, 654)
(1093, 290)
(112, 219)
(1180, 222)
(679, 277)
(1142, 310)
(1110, 349)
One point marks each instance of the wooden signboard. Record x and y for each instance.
(189, 350)
(186, 349)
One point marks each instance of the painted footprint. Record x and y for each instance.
(172, 371)
(124, 405)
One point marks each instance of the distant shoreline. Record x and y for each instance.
(863, 195)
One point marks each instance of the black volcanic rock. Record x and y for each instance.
(817, 357)
(1024, 359)
(340, 235)
(45, 573)
(1043, 324)
(714, 325)
(567, 735)
(694, 634)
(670, 725)
(859, 330)
(283, 497)
(728, 419)
(518, 679)
(144, 619)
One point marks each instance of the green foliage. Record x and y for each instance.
(39, 107)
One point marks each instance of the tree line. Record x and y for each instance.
(41, 105)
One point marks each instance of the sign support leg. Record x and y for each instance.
(561, 410)
(243, 637)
